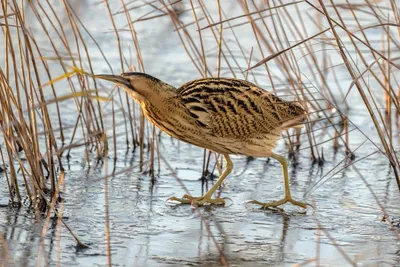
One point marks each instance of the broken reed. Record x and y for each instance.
(28, 131)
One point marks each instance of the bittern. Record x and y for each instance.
(225, 115)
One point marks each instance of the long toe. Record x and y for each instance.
(182, 200)
(298, 203)
(209, 201)
(276, 204)
(198, 201)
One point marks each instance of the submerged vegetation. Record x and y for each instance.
(336, 58)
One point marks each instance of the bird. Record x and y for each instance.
(226, 115)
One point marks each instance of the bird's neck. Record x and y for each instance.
(162, 114)
(161, 106)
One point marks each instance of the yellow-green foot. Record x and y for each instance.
(198, 201)
(275, 204)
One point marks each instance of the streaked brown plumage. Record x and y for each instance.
(225, 115)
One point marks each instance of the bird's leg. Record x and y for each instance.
(287, 196)
(186, 199)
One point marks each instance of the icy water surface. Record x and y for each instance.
(345, 228)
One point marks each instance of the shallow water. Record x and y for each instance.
(146, 231)
(344, 228)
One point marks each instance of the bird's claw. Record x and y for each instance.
(198, 201)
(276, 204)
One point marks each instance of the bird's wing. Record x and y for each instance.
(236, 108)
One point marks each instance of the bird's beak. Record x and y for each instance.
(118, 79)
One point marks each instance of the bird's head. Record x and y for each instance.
(140, 86)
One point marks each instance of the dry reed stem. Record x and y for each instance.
(222, 257)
